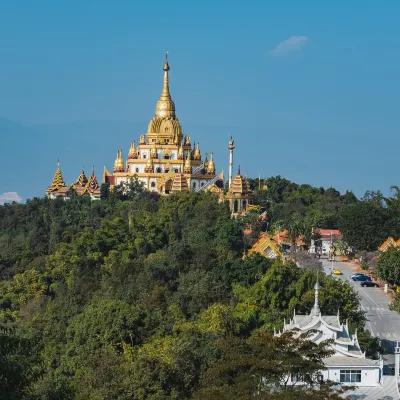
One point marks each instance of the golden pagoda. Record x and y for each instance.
(57, 183)
(239, 194)
(164, 153)
(163, 161)
(82, 186)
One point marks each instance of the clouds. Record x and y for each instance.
(9, 197)
(292, 45)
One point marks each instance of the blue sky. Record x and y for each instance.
(309, 89)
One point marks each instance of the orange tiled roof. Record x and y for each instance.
(387, 244)
(283, 237)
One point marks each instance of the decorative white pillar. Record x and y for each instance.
(396, 359)
(231, 147)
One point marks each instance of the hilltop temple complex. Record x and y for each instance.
(165, 161)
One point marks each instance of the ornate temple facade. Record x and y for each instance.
(348, 364)
(165, 160)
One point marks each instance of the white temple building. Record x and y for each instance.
(348, 365)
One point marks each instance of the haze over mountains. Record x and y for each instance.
(30, 157)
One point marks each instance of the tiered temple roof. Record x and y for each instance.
(345, 345)
(57, 182)
(239, 187)
(388, 244)
(180, 183)
(82, 186)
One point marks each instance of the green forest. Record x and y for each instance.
(139, 296)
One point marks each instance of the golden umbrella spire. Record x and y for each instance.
(165, 107)
(58, 181)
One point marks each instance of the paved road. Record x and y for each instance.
(375, 302)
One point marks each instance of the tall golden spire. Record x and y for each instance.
(165, 107)
(58, 181)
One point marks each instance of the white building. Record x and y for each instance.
(348, 365)
(326, 240)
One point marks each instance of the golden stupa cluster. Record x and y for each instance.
(165, 161)
(82, 186)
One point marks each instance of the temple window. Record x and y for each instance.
(244, 204)
(153, 140)
(137, 169)
(158, 170)
(194, 185)
(202, 184)
(153, 184)
(176, 170)
(166, 129)
(235, 206)
(167, 157)
(166, 170)
(144, 155)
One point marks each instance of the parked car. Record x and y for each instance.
(369, 284)
(357, 274)
(336, 271)
(361, 278)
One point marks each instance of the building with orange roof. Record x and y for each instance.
(267, 246)
(323, 240)
(388, 244)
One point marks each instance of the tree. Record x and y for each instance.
(17, 357)
(363, 224)
(389, 266)
(261, 367)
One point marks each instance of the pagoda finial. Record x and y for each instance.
(165, 107)
(239, 170)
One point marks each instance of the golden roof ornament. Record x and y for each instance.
(211, 166)
(119, 164)
(165, 107)
(153, 152)
(149, 166)
(206, 161)
(132, 151)
(142, 140)
(196, 153)
(188, 164)
(180, 153)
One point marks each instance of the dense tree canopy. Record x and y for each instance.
(137, 296)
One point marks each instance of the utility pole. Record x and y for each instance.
(331, 251)
(230, 148)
